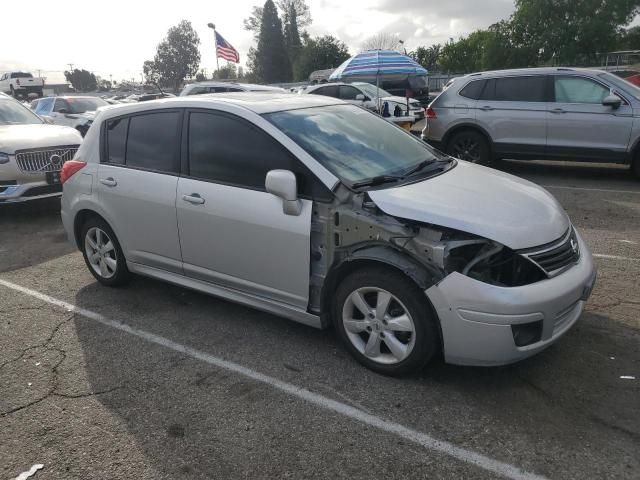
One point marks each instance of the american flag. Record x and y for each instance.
(225, 50)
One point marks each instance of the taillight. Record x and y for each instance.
(70, 168)
(430, 113)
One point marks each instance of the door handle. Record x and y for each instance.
(194, 198)
(109, 182)
(486, 108)
(558, 110)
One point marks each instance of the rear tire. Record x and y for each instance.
(635, 166)
(398, 333)
(471, 146)
(102, 253)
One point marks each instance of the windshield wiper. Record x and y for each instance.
(421, 166)
(379, 180)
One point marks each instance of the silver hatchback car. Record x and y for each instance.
(325, 213)
(538, 113)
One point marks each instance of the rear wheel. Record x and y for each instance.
(470, 146)
(102, 253)
(385, 322)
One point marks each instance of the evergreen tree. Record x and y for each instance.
(291, 34)
(271, 57)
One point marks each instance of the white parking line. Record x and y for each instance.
(615, 257)
(637, 192)
(422, 439)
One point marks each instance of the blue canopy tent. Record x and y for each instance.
(370, 65)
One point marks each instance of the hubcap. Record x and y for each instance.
(378, 325)
(101, 252)
(467, 149)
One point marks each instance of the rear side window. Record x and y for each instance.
(21, 75)
(44, 106)
(516, 89)
(152, 141)
(473, 90)
(117, 140)
(226, 149)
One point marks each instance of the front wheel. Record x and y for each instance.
(470, 146)
(385, 322)
(102, 253)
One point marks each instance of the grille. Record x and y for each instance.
(554, 258)
(50, 160)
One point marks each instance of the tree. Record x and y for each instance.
(271, 63)
(254, 21)
(427, 56)
(81, 80)
(318, 54)
(563, 32)
(225, 72)
(177, 56)
(200, 76)
(151, 75)
(382, 41)
(630, 39)
(291, 34)
(299, 8)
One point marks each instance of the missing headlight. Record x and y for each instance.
(492, 263)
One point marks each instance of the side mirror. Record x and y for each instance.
(612, 101)
(283, 184)
(360, 97)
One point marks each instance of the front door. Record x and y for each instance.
(579, 126)
(137, 183)
(232, 232)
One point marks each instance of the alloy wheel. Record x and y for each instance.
(378, 325)
(101, 252)
(467, 148)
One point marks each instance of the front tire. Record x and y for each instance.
(103, 254)
(471, 146)
(385, 322)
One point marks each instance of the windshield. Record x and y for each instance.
(351, 142)
(13, 113)
(371, 90)
(621, 83)
(82, 105)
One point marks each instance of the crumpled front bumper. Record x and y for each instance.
(476, 317)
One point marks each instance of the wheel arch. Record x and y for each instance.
(80, 219)
(377, 256)
(467, 126)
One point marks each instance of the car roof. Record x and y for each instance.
(248, 86)
(256, 102)
(530, 71)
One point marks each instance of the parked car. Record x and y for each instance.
(322, 212)
(631, 76)
(77, 112)
(223, 87)
(31, 153)
(21, 83)
(145, 97)
(539, 113)
(366, 95)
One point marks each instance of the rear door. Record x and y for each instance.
(137, 181)
(580, 127)
(513, 110)
(233, 233)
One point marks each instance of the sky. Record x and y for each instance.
(116, 37)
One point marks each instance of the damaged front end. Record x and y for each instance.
(353, 229)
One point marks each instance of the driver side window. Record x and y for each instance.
(60, 105)
(579, 90)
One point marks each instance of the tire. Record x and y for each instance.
(471, 146)
(635, 166)
(104, 257)
(407, 326)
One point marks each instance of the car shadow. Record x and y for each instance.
(584, 171)
(180, 410)
(31, 233)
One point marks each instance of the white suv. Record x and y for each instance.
(322, 212)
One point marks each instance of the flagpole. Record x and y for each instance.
(215, 41)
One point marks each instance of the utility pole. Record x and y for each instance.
(215, 40)
(70, 67)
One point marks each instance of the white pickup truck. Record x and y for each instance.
(21, 83)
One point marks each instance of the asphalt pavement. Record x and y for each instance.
(153, 381)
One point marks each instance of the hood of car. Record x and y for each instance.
(481, 201)
(19, 137)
